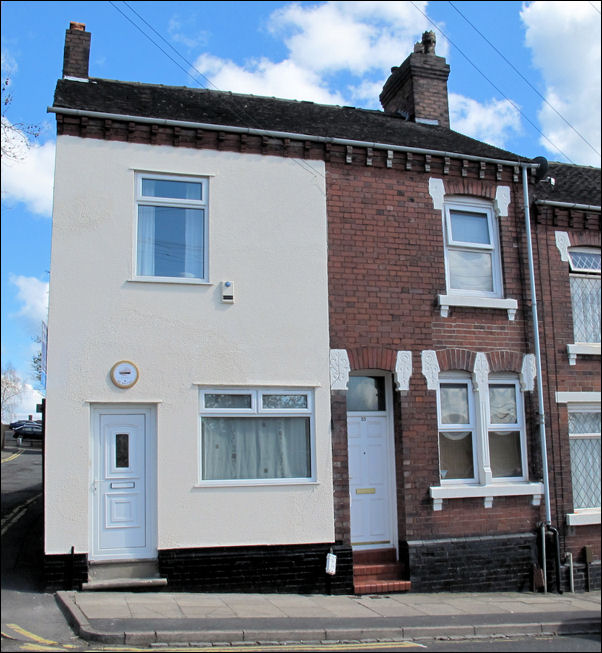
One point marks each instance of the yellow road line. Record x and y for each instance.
(13, 456)
(30, 646)
(6, 635)
(32, 636)
(16, 514)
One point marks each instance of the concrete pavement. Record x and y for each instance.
(144, 618)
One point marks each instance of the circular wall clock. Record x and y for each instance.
(124, 374)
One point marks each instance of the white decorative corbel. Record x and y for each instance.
(502, 201)
(563, 243)
(403, 370)
(480, 378)
(339, 369)
(528, 373)
(437, 192)
(487, 502)
(480, 372)
(430, 369)
(437, 504)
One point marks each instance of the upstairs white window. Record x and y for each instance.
(585, 294)
(171, 229)
(472, 257)
(481, 434)
(256, 436)
(584, 442)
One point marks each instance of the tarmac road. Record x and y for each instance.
(25, 607)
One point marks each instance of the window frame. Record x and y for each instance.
(258, 410)
(148, 200)
(481, 425)
(582, 408)
(458, 379)
(473, 205)
(581, 273)
(519, 425)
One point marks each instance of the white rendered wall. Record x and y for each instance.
(267, 234)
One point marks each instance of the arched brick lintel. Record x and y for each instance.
(456, 359)
(505, 361)
(464, 359)
(473, 187)
(372, 358)
(584, 239)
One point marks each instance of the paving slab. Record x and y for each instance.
(171, 617)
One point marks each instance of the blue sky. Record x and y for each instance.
(525, 76)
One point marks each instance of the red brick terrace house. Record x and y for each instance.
(566, 227)
(438, 477)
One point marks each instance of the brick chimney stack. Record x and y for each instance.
(77, 52)
(418, 88)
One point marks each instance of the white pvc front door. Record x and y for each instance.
(122, 502)
(369, 481)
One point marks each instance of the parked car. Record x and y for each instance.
(28, 430)
(15, 425)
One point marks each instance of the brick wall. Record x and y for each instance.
(287, 568)
(386, 268)
(485, 564)
(65, 572)
(556, 328)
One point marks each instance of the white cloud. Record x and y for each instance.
(564, 38)
(264, 77)
(179, 31)
(8, 65)
(360, 39)
(33, 296)
(494, 122)
(29, 177)
(25, 403)
(351, 36)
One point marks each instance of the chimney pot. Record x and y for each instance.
(77, 51)
(418, 88)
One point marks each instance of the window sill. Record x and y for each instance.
(487, 492)
(584, 517)
(250, 483)
(582, 349)
(178, 280)
(471, 301)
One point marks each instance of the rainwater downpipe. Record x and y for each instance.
(540, 408)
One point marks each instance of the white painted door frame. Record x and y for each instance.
(389, 470)
(113, 485)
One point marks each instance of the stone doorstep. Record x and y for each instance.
(124, 583)
(385, 571)
(381, 586)
(376, 571)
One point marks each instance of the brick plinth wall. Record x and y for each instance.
(65, 572)
(502, 563)
(276, 569)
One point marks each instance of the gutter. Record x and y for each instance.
(541, 409)
(541, 417)
(568, 205)
(277, 134)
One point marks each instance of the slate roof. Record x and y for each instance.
(251, 111)
(573, 184)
